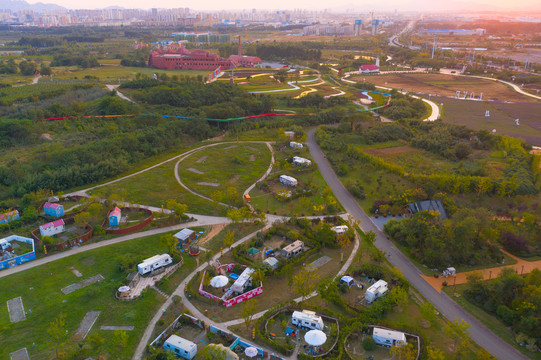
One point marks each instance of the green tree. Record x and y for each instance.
(248, 311)
(229, 239)
(213, 352)
(458, 332)
(305, 282)
(58, 332)
(433, 353)
(235, 215)
(120, 338)
(95, 341)
(82, 219)
(428, 311)
(404, 351)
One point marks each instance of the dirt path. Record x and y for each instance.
(521, 267)
(214, 230)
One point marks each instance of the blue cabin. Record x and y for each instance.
(55, 210)
(114, 217)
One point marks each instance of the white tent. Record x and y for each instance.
(347, 280)
(250, 351)
(315, 337)
(219, 281)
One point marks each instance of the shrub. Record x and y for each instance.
(369, 343)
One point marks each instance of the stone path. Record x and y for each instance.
(318, 263)
(86, 324)
(76, 272)
(16, 310)
(201, 159)
(114, 328)
(21, 354)
(81, 284)
(208, 183)
(195, 171)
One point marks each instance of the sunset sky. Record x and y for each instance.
(401, 5)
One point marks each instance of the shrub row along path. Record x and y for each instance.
(445, 305)
(521, 267)
(179, 291)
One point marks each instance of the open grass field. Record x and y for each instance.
(502, 117)
(424, 162)
(446, 85)
(155, 187)
(44, 302)
(220, 167)
(113, 73)
(487, 319)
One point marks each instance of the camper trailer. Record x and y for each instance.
(307, 319)
(299, 161)
(288, 180)
(295, 145)
(340, 229)
(388, 338)
(180, 346)
(243, 282)
(293, 249)
(153, 263)
(378, 289)
(4, 244)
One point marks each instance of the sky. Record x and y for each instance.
(363, 5)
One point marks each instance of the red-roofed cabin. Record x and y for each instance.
(369, 68)
(53, 228)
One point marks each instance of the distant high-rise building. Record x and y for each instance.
(357, 27)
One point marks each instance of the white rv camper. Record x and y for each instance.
(244, 281)
(307, 319)
(181, 347)
(153, 263)
(378, 289)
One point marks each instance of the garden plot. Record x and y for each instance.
(81, 284)
(86, 324)
(16, 310)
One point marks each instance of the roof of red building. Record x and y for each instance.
(115, 212)
(369, 67)
(49, 205)
(55, 223)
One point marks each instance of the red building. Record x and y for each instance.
(184, 59)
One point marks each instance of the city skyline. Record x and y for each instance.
(343, 5)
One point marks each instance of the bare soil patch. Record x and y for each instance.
(201, 159)
(195, 171)
(16, 310)
(86, 324)
(81, 284)
(208, 184)
(234, 179)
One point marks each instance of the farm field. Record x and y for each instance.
(446, 85)
(43, 301)
(502, 117)
(225, 166)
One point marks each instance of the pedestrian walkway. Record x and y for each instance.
(521, 267)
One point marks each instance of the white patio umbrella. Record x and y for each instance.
(315, 337)
(219, 281)
(124, 289)
(250, 351)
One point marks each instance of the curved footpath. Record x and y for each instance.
(445, 305)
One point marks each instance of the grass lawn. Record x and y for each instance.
(307, 205)
(490, 321)
(240, 230)
(221, 167)
(43, 301)
(155, 187)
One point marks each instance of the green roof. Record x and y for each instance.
(253, 251)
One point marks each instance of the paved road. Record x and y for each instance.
(201, 220)
(434, 115)
(445, 305)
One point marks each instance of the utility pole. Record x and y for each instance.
(434, 47)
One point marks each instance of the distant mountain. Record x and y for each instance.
(17, 5)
